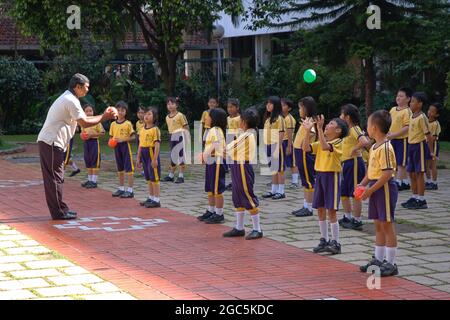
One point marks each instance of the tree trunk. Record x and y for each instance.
(169, 72)
(369, 84)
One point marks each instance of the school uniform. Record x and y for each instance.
(242, 153)
(91, 146)
(148, 137)
(435, 130)
(353, 168)
(328, 167)
(122, 152)
(418, 151)
(274, 150)
(304, 160)
(215, 164)
(289, 122)
(204, 127)
(139, 125)
(400, 119)
(383, 201)
(175, 125)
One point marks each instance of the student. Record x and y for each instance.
(286, 107)
(353, 167)
(178, 135)
(91, 146)
(233, 124)
(305, 160)
(69, 161)
(273, 140)
(242, 153)
(419, 151)
(212, 103)
(328, 151)
(382, 192)
(122, 131)
(140, 122)
(398, 134)
(213, 157)
(148, 157)
(435, 130)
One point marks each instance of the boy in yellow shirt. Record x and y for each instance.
(435, 129)
(328, 151)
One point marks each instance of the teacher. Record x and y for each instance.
(59, 127)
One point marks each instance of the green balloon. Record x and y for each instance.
(309, 76)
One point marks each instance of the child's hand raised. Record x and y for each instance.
(308, 123)
(320, 121)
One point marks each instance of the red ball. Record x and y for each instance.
(112, 143)
(358, 192)
(84, 136)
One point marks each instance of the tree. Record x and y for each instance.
(162, 23)
(343, 29)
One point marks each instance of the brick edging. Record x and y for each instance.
(13, 150)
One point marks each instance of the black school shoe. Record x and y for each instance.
(205, 216)
(215, 219)
(234, 233)
(118, 193)
(142, 203)
(372, 262)
(404, 186)
(69, 215)
(84, 184)
(344, 220)
(91, 185)
(74, 173)
(127, 194)
(268, 195)
(297, 211)
(418, 204)
(352, 224)
(304, 212)
(153, 204)
(168, 179)
(322, 246)
(179, 180)
(333, 247)
(254, 235)
(387, 269)
(408, 202)
(278, 196)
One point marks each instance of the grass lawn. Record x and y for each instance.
(444, 145)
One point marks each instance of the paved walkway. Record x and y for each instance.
(167, 254)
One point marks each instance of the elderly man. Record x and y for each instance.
(54, 137)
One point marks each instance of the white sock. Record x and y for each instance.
(171, 175)
(219, 211)
(130, 189)
(74, 166)
(89, 177)
(240, 220)
(348, 215)
(255, 220)
(399, 181)
(421, 198)
(150, 196)
(415, 196)
(380, 252)
(391, 252)
(156, 199)
(94, 178)
(305, 204)
(357, 218)
(180, 175)
(122, 188)
(335, 231)
(295, 178)
(274, 188)
(309, 206)
(281, 188)
(211, 208)
(406, 181)
(428, 180)
(323, 225)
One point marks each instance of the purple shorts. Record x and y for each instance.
(215, 178)
(92, 154)
(276, 161)
(150, 173)
(401, 147)
(288, 159)
(68, 154)
(305, 164)
(124, 158)
(176, 141)
(243, 179)
(382, 202)
(352, 173)
(418, 153)
(327, 190)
